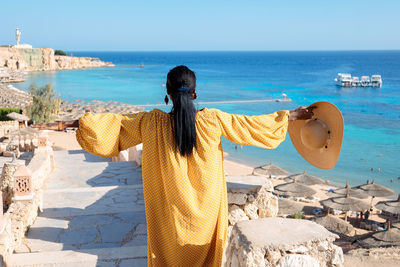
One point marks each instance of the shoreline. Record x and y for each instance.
(11, 96)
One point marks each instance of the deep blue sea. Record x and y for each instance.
(372, 115)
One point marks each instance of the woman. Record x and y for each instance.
(183, 175)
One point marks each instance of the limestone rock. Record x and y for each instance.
(267, 205)
(248, 184)
(281, 242)
(251, 211)
(299, 250)
(292, 260)
(253, 194)
(43, 59)
(337, 258)
(237, 198)
(323, 246)
(3, 147)
(273, 256)
(235, 214)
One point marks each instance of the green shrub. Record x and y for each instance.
(60, 52)
(45, 103)
(297, 215)
(5, 111)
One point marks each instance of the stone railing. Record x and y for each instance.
(250, 197)
(17, 144)
(23, 209)
(282, 242)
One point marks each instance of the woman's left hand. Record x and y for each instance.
(301, 113)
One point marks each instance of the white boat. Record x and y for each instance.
(355, 82)
(365, 81)
(343, 79)
(376, 80)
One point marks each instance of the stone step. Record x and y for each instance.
(102, 257)
(85, 170)
(93, 215)
(86, 232)
(89, 201)
(93, 189)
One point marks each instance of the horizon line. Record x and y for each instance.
(237, 50)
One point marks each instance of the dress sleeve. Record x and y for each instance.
(107, 134)
(266, 131)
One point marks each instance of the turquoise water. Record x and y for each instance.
(372, 116)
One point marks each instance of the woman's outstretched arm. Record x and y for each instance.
(107, 134)
(266, 131)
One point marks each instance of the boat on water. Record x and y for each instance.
(355, 82)
(345, 80)
(376, 80)
(365, 81)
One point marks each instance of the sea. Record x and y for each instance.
(371, 142)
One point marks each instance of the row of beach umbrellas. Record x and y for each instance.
(343, 199)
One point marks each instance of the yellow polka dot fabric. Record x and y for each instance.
(185, 197)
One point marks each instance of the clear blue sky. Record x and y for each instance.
(203, 24)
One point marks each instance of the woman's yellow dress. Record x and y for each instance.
(185, 197)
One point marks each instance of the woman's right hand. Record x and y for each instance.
(301, 113)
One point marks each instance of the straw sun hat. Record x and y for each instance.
(319, 139)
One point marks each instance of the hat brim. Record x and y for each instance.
(325, 157)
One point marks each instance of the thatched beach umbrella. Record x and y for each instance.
(345, 203)
(376, 190)
(390, 237)
(294, 190)
(271, 171)
(335, 224)
(357, 193)
(17, 117)
(392, 206)
(396, 225)
(305, 178)
(287, 206)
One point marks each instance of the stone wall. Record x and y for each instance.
(21, 214)
(249, 198)
(282, 242)
(43, 59)
(7, 126)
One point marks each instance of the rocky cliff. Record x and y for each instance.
(42, 59)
